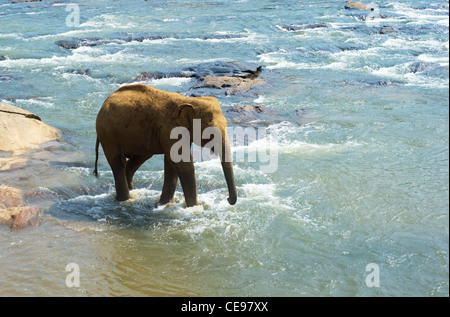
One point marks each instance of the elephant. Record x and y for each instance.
(136, 122)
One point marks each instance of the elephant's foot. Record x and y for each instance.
(122, 197)
(166, 203)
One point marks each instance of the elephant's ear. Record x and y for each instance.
(184, 114)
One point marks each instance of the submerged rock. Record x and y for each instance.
(301, 26)
(13, 212)
(371, 82)
(429, 69)
(147, 76)
(26, 216)
(250, 114)
(10, 197)
(260, 115)
(83, 72)
(75, 43)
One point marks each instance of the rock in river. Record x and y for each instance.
(20, 129)
(233, 77)
(358, 5)
(13, 212)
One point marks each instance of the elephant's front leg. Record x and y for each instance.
(186, 173)
(170, 182)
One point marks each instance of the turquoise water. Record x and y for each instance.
(363, 179)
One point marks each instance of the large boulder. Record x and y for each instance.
(22, 130)
(229, 77)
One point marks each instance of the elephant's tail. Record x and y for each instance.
(96, 157)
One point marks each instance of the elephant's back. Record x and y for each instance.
(140, 98)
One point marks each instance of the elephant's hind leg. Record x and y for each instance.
(118, 167)
(133, 165)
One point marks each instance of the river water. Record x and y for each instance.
(358, 201)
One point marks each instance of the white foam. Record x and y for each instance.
(336, 66)
(346, 56)
(400, 72)
(109, 22)
(37, 102)
(443, 61)
(279, 60)
(17, 36)
(72, 33)
(421, 16)
(173, 81)
(259, 190)
(83, 55)
(398, 43)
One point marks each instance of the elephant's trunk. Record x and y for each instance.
(227, 166)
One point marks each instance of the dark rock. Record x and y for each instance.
(2, 58)
(429, 69)
(223, 36)
(371, 30)
(301, 26)
(142, 38)
(5, 77)
(18, 1)
(75, 43)
(372, 82)
(250, 114)
(69, 44)
(147, 76)
(366, 18)
(235, 76)
(231, 69)
(260, 115)
(387, 30)
(422, 67)
(84, 72)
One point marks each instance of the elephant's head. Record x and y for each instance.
(207, 125)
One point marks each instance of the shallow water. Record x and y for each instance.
(363, 179)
